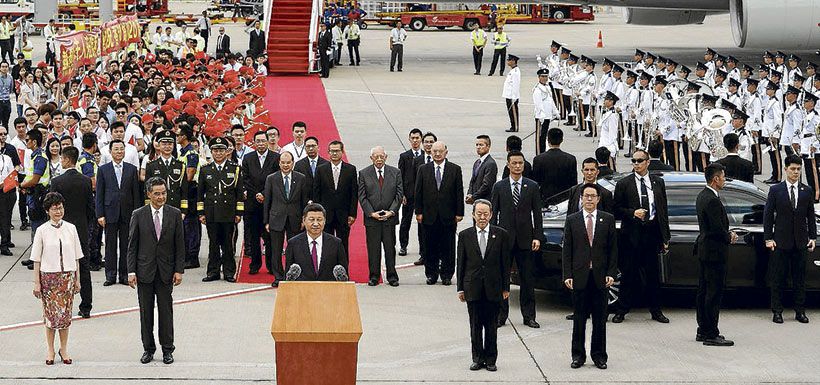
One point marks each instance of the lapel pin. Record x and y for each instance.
(492, 236)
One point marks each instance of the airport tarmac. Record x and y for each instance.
(419, 334)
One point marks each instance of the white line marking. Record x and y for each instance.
(424, 97)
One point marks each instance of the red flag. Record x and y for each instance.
(10, 183)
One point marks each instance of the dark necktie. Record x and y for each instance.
(793, 199)
(644, 198)
(428, 159)
(287, 187)
(476, 166)
(315, 257)
(516, 194)
(381, 179)
(438, 177)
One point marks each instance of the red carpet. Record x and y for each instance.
(294, 98)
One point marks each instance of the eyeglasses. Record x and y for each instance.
(638, 160)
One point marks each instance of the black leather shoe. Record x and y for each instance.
(701, 337)
(393, 283)
(253, 272)
(84, 314)
(531, 323)
(600, 365)
(476, 366)
(770, 181)
(576, 364)
(230, 279)
(777, 318)
(402, 251)
(274, 284)
(167, 358)
(419, 262)
(660, 318)
(372, 282)
(718, 341)
(618, 318)
(6, 251)
(108, 283)
(147, 357)
(588, 135)
(27, 262)
(192, 265)
(431, 281)
(491, 367)
(801, 317)
(210, 278)
(123, 282)
(95, 268)
(11, 244)
(570, 317)
(510, 130)
(446, 282)
(24, 227)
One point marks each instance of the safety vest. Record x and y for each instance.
(45, 178)
(5, 31)
(26, 53)
(85, 157)
(353, 32)
(183, 157)
(478, 37)
(501, 41)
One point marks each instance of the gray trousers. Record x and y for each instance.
(378, 236)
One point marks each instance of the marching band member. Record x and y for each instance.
(544, 109)
(809, 145)
(666, 126)
(733, 92)
(566, 93)
(745, 140)
(746, 72)
(754, 108)
(811, 75)
(731, 68)
(587, 88)
(645, 107)
(629, 109)
(792, 122)
(660, 66)
(605, 84)
(637, 61)
(671, 70)
(792, 68)
(768, 60)
(512, 91)
(689, 153)
(701, 71)
(608, 127)
(684, 72)
(719, 83)
(619, 88)
(771, 130)
(763, 78)
(709, 62)
(649, 64)
(559, 82)
(780, 66)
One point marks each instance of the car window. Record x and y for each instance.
(742, 208)
(681, 204)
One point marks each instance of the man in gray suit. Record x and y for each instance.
(484, 172)
(156, 262)
(380, 194)
(286, 195)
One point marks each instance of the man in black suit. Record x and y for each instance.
(439, 208)
(286, 195)
(590, 171)
(256, 43)
(336, 188)
(514, 144)
(156, 262)
(655, 151)
(426, 157)
(554, 170)
(790, 231)
(602, 155)
(408, 170)
(736, 167)
(380, 194)
(117, 195)
(640, 205)
(256, 166)
(516, 204)
(325, 42)
(589, 261)
(483, 280)
(308, 165)
(315, 251)
(711, 247)
(79, 211)
(484, 172)
(223, 44)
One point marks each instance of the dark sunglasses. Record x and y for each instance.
(638, 160)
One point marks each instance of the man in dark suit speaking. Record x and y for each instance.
(317, 253)
(156, 262)
(589, 263)
(483, 281)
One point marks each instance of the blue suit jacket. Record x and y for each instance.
(789, 228)
(115, 203)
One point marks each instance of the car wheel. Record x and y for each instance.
(558, 15)
(469, 24)
(417, 24)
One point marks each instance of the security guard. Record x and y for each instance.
(172, 170)
(478, 38)
(220, 206)
(193, 230)
(500, 43)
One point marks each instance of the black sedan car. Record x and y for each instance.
(748, 258)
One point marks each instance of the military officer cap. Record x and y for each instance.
(671, 62)
(799, 78)
(794, 57)
(660, 79)
(610, 96)
(661, 59)
(543, 71)
(727, 105)
(752, 82)
(650, 56)
(710, 51)
(218, 142)
(763, 67)
(809, 97)
(739, 114)
(731, 58)
(555, 44)
(709, 98)
(772, 86)
(777, 73)
(720, 58)
(166, 136)
(584, 58)
(701, 66)
(748, 68)
(512, 57)
(811, 65)
(608, 62)
(768, 54)
(573, 58)
(639, 53)
(631, 74)
(734, 83)
(591, 62)
(685, 70)
(721, 73)
(646, 76)
(617, 68)
(780, 54)
(693, 86)
(565, 50)
(793, 90)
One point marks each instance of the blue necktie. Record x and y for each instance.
(438, 177)
(287, 186)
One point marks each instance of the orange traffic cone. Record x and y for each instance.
(600, 40)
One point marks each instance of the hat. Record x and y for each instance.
(734, 83)
(631, 74)
(780, 54)
(776, 73)
(166, 136)
(685, 70)
(218, 142)
(512, 57)
(794, 57)
(611, 96)
(799, 78)
(793, 90)
(809, 97)
(591, 62)
(565, 50)
(720, 57)
(584, 58)
(670, 62)
(608, 62)
(768, 54)
(660, 79)
(772, 86)
(650, 56)
(752, 82)
(811, 65)
(709, 98)
(731, 58)
(701, 66)
(747, 68)
(543, 71)
(739, 114)
(763, 67)
(646, 76)
(693, 86)
(721, 73)
(617, 68)
(147, 118)
(573, 58)
(639, 52)
(555, 44)
(727, 105)
(710, 51)
(661, 59)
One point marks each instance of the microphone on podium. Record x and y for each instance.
(340, 273)
(293, 273)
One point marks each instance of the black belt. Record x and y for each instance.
(808, 135)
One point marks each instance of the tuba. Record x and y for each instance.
(712, 122)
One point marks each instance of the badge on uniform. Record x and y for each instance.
(208, 176)
(177, 171)
(230, 175)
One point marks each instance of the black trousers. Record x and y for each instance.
(147, 294)
(21, 202)
(193, 238)
(583, 115)
(353, 48)
(324, 63)
(337, 54)
(116, 264)
(440, 252)
(407, 218)
(381, 236)
(255, 235)
(512, 112)
(757, 157)
(5, 113)
(7, 201)
(701, 160)
(810, 170)
(483, 330)
(277, 238)
(776, 163)
(499, 55)
(94, 243)
(396, 54)
(526, 295)
(85, 277)
(220, 249)
(672, 152)
(51, 57)
(338, 227)
(204, 34)
(541, 128)
(590, 300)
(478, 57)
(641, 273)
(6, 49)
(711, 281)
(793, 260)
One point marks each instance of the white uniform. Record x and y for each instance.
(734, 74)
(772, 118)
(710, 70)
(608, 131)
(792, 123)
(544, 106)
(606, 84)
(667, 126)
(587, 87)
(512, 85)
(567, 81)
(754, 108)
(808, 133)
(746, 142)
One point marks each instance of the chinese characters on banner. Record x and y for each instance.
(84, 48)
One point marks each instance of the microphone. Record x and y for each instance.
(293, 273)
(340, 273)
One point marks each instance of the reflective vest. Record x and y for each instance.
(45, 178)
(183, 157)
(5, 31)
(85, 158)
(501, 41)
(353, 32)
(479, 38)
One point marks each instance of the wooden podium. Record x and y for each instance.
(316, 327)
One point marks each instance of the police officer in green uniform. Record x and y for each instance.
(193, 229)
(170, 169)
(220, 207)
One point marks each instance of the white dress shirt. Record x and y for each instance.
(648, 183)
(297, 151)
(796, 186)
